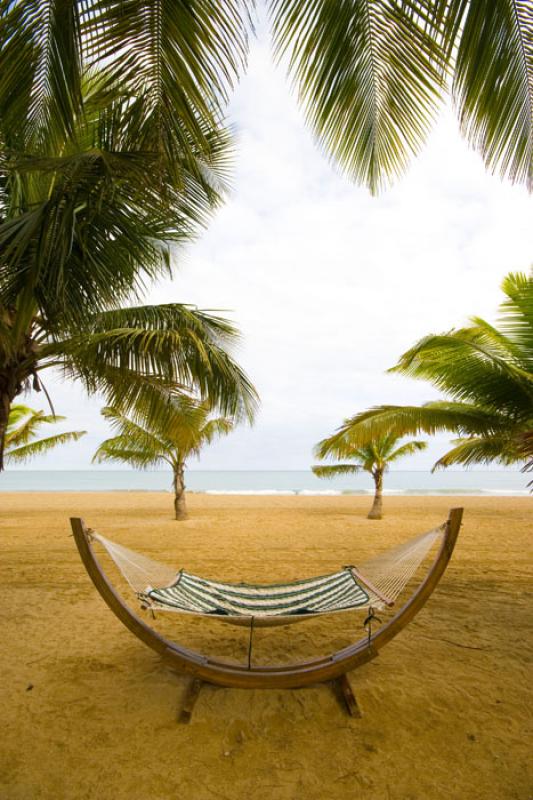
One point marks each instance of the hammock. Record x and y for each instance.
(374, 584)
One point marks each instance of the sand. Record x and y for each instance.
(89, 712)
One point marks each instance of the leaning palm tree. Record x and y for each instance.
(170, 439)
(371, 75)
(87, 219)
(486, 373)
(23, 427)
(375, 458)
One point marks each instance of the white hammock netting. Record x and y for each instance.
(375, 583)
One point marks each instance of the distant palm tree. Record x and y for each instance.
(170, 438)
(487, 373)
(374, 458)
(23, 426)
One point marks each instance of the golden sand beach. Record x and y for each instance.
(89, 713)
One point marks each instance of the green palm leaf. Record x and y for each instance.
(40, 66)
(407, 449)
(141, 456)
(17, 413)
(180, 344)
(332, 470)
(481, 450)
(493, 82)
(431, 418)
(23, 426)
(42, 446)
(369, 75)
(178, 60)
(130, 431)
(97, 236)
(486, 371)
(215, 428)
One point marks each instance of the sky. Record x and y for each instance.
(329, 285)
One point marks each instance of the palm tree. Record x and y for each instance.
(23, 426)
(88, 214)
(113, 148)
(129, 355)
(374, 457)
(171, 439)
(371, 75)
(486, 373)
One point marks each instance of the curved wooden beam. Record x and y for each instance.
(282, 676)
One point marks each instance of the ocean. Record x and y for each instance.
(275, 482)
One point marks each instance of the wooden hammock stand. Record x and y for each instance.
(334, 667)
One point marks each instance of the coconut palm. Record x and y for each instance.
(170, 438)
(486, 373)
(374, 457)
(371, 75)
(87, 221)
(23, 427)
(129, 355)
(112, 148)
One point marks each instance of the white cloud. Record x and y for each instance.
(329, 285)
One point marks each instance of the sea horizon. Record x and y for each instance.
(270, 482)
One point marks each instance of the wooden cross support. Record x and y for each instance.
(191, 696)
(348, 696)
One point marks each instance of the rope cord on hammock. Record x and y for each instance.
(374, 584)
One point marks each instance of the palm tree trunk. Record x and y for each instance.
(180, 503)
(8, 392)
(377, 506)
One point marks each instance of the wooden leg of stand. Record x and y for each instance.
(191, 697)
(348, 696)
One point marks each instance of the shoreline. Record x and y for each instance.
(289, 483)
(389, 493)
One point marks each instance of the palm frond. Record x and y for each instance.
(524, 445)
(485, 370)
(332, 470)
(178, 61)
(172, 431)
(367, 426)
(24, 423)
(131, 431)
(369, 75)
(42, 446)
(96, 233)
(17, 413)
(480, 450)
(516, 315)
(40, 69)
(125, 450)
(466, 365)
(214, 428)
(407, 449)
(493, 83)
(184, 346)
(373, 453)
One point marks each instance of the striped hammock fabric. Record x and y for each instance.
(338, 591)
(375, 583)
